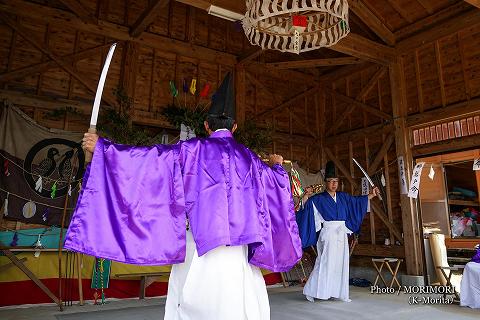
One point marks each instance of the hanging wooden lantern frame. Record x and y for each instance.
(274, 24)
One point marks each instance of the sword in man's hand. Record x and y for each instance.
(366, 176)
(98, 97)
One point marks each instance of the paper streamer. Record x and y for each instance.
(415, 181)
(365, 186)
(402, 176)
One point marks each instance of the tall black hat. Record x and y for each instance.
(330, 170)
(223, 101)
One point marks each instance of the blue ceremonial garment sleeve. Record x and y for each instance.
(357, 208)
(306, 224)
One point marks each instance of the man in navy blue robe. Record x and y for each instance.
(335, 215)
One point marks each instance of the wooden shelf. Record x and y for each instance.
(463, 243)
(464, 203)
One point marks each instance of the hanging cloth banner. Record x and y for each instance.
(402, 176)
(101, 273)
(476, 164)
(40, 167)
(415, 181)
(365, 187)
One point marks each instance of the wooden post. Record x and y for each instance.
(79, 273)
(412, 233)
(129, 71)
(240, 89)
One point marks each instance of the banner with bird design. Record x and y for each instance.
(40, 168)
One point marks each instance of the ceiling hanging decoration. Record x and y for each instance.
(296, 25)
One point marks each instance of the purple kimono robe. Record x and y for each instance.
(135, 201)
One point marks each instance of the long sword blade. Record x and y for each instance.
(364, 172)
(101, 84)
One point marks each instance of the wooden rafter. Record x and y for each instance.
(426, 5)
(450, 111)
(114, 31)
(235, 6)
(381, 153)
(475, 3)
(353, 135)
(44, 66)
(288, 102)
(79, 10)
(314, 63)
(363, 48)
(432, 20)
(400, 10)
(259, 84)
(147, 17)
(372, 21)
(250, 56)
(364, 106)
(376, 208)
(365, 90)
(108, 97)
(301, 123)
(345, 71)
(449, 27)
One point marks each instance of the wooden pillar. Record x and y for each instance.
(412, 235)
(240, 89)
(128, 76)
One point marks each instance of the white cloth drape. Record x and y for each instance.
(219, 285)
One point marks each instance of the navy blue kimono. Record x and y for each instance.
(348, 208)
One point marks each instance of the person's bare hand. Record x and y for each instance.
(89, 141)
(275, 159)
(308, 193)
(375, 192)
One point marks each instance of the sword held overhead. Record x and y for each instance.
(98, 97)
(366, 176)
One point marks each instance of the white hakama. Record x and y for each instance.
(330, 275)
(220, 285)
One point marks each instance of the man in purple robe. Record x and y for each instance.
(137, 201)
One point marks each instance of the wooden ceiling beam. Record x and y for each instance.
(365, 49)
(26, 34)
(77, 8)
(345, 71)
(235, 6)
(449, 27)
(147, 17)
(249, 57)
(430, 21)
(313, 63)
(381, 153)
(458, 109)
(363, 93)
(284, 104)
(426, 4)
(291, 75)
(44, 66)
(372, 21)
(400, 10)
(359, 134)
(364, 106)
(64, 18)
(475, 3)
